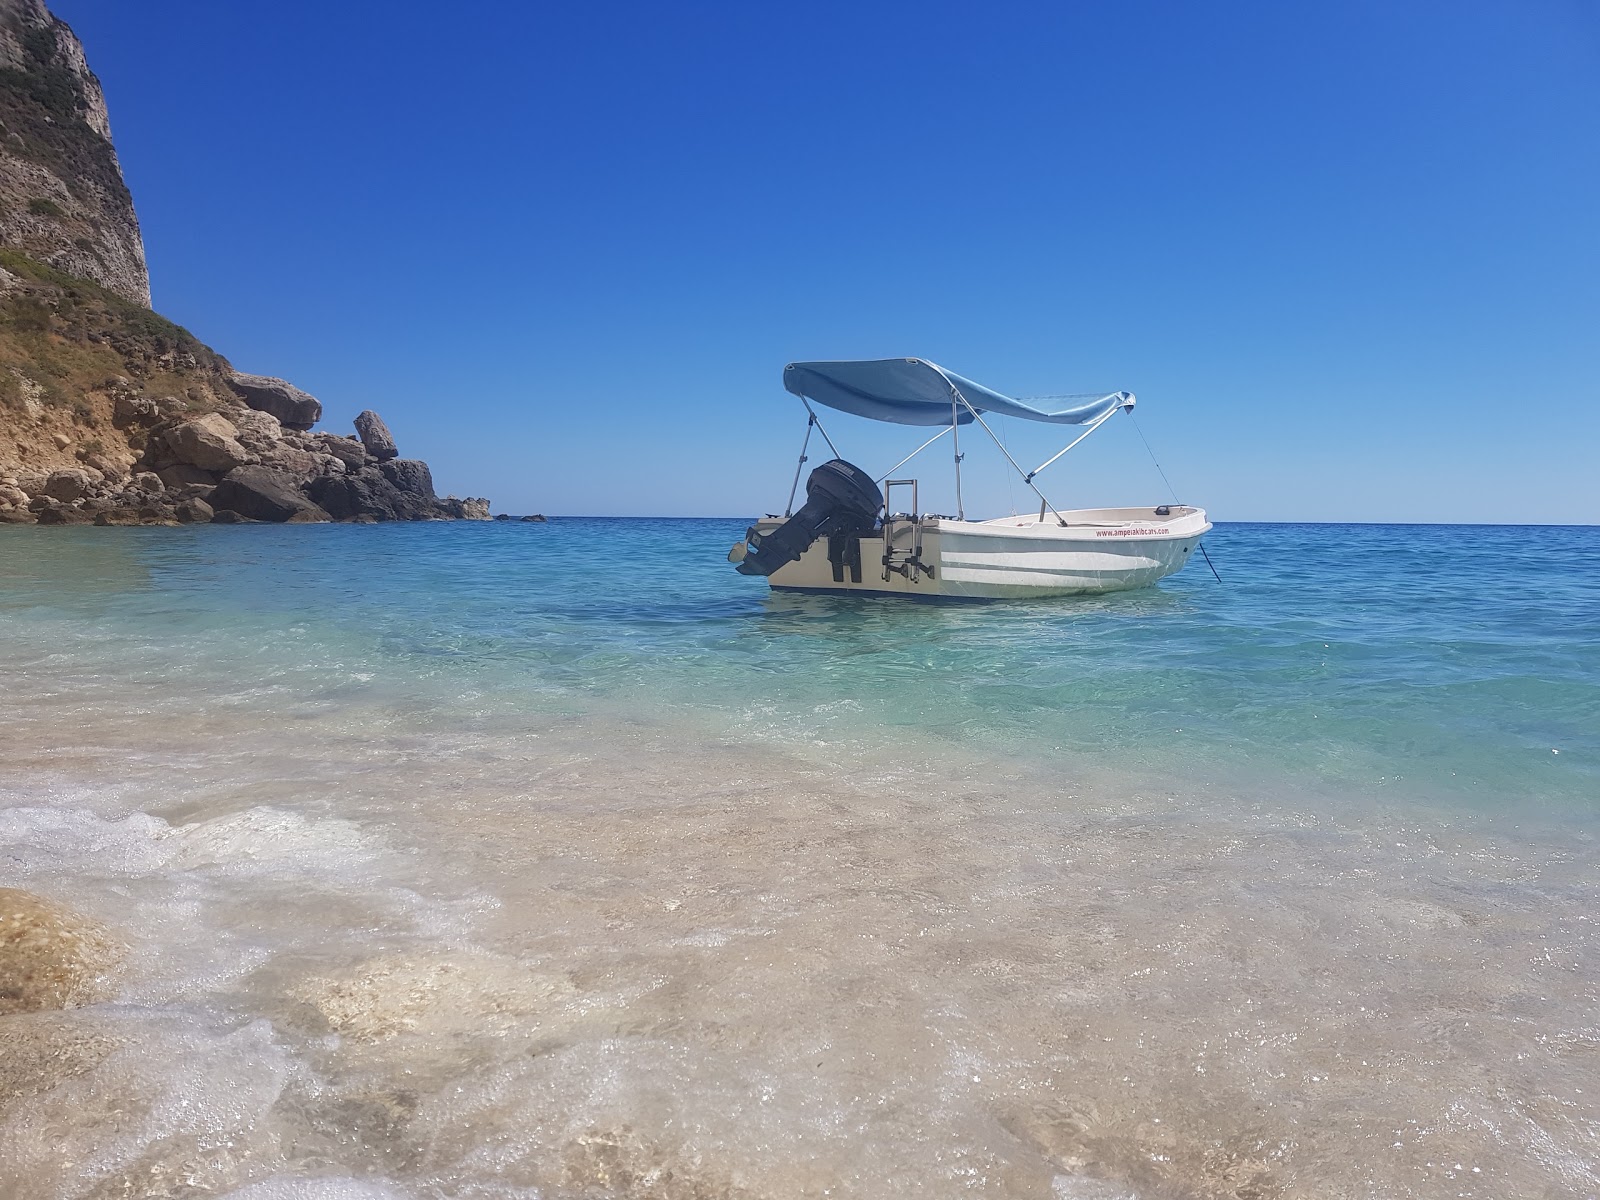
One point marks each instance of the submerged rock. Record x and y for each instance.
(50, 957)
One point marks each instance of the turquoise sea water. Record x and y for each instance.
(1456, 663)
(509, 861)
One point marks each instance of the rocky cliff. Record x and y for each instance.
(62, 197)
(110, 413)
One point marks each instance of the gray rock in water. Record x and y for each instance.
(263, 495)
(375, 436)
(473, 508)
(194, 512)
(410, 475)
(367, 492)
(293, 408)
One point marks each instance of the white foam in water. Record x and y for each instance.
(175, 1102)
(281, 1187)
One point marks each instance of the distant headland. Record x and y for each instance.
(109, 413)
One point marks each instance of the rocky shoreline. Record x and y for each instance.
(109, 413)
(254, 460)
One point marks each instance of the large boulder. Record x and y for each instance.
(30, 480)
(263, 494)
(209, 442)
(410, 475)
(70, 484)
(294, 408)
(194, 512)
(258, 431)
(367, 492)
(179, 476)
(302, 464)
(375, 436)
(129, 409)
(347, 450)
(473, 508)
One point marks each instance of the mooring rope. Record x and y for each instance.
(1170, 489)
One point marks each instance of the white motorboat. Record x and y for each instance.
(848, 536)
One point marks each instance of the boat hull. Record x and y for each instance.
(1097, 550)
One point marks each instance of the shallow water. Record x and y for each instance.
(559, 860)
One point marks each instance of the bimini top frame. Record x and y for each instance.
(914, 391)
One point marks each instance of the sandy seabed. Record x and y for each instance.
(596, 957)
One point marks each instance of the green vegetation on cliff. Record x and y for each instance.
(68, 347)
(44, 114)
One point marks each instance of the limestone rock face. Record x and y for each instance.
(375, 436)
(294, 408)
(62, 197)
(263, 494)
(91, 380)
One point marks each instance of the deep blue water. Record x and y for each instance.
(1459, 663)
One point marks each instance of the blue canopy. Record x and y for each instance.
(913, 391)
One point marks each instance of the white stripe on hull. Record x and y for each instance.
(1100, 550)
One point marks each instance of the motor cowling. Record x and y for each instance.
(840, 498)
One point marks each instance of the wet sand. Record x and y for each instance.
(594, 957)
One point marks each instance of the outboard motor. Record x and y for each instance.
(840, 499)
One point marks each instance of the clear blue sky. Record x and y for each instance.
(1348, 255)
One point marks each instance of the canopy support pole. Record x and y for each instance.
(1027, 479)
(821, 428)
(788, 509)
(1093, 425)
(955, 438)
(913, 454)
